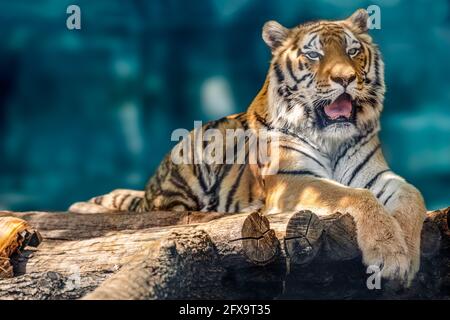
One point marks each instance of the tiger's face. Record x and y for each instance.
(326, 78)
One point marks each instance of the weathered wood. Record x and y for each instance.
(300, 233)
(73, 226)
(339, 238)
(243, 238)
(80, 252)
(178, 266)
(239, 240)
(173, 266)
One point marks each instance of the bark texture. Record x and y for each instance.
(160, 255)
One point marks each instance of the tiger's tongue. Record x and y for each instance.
(341, 107)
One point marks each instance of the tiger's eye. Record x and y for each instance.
(353, 52)
(313, 55)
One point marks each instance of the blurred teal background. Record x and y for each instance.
(86, 111)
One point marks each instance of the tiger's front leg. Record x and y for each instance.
(405, 203)
(379, 234)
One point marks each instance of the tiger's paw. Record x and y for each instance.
(392, 260)
(394, 265)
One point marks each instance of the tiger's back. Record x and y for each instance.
(217, 186)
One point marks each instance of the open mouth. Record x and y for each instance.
(341, 110)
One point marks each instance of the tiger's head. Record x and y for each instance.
(326, 78)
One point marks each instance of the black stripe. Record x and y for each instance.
(262, 120)
(174, 203)
(250, 196)
(278, 72)
(225, 169)
(171, 193)
(372, 181)
(285, 131)
(310, 82)
(362, 164)
(233, 189)
(389, 198)
(299, 172)
(236, 207)
(212, 205)
(311, 40)
(304, 153)
(289, 107)
(351, 145)
(377, 70)
(291, 72)
(369, 59)
(383, 189)
(316, 29)
(180, 183)
(304, 77)
(201, 179)
(348, 147)
(114, 200)
(134, 203)
(123, 200)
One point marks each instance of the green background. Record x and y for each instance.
(86, 111)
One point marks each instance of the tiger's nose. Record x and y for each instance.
(344, 79)
(342, 73)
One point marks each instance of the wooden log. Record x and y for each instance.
(183, 264)
(239, 240)
(70, 263)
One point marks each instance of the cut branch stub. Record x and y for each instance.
(243, 239)
(15, 234)
(340, 237)
(442, 219)
(303, 237)
(258, 240)
(431, 239)
(435, 227)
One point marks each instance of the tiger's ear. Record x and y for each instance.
(274, 34)
(359, 20)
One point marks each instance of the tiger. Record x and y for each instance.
(322, 99)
